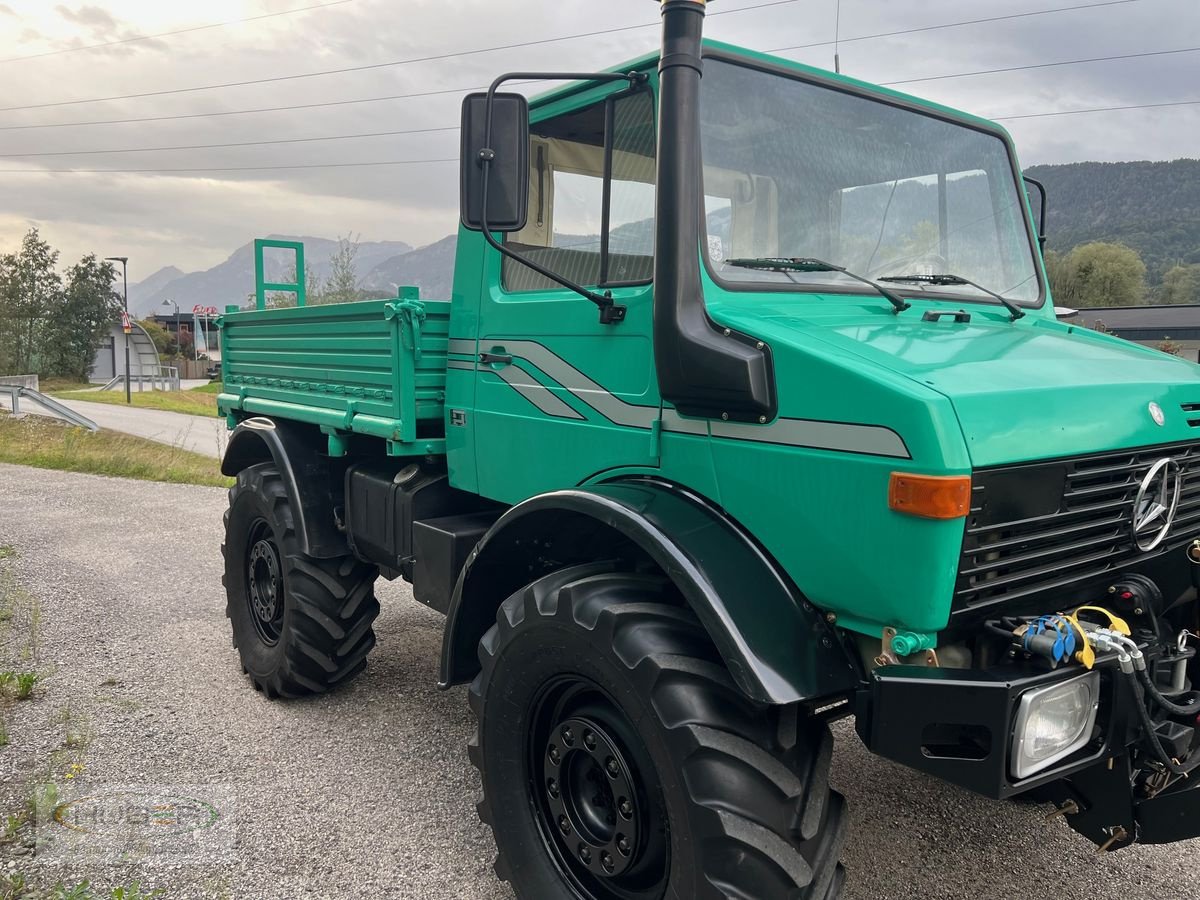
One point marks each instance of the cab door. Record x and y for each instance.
(559, 395)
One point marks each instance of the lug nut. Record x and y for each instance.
(589, 740)
(568, 736)
(585, 854)
(555, 756)
(564, 825)
(552, 788)
(613, 769)
(606, 860)
(625, 808)
(623, 844)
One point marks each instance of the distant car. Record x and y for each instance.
(213, 373)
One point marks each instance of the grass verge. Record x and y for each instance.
(213, 387)
(48, 444)
(195, 403)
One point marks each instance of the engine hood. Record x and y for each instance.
(1025, 390)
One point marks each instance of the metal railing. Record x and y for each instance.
(159, 378)
(16, 393)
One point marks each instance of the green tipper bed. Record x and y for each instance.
(373, 367)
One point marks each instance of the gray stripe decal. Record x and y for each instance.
(609, 406)
(847, 437)
(537, 394)
(461, 345)
(460, 364)
(674, 422)
(872, 439)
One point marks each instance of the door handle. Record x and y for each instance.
(501, 359)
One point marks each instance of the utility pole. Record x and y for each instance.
(124, 261)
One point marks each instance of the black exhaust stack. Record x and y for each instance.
(703, 370)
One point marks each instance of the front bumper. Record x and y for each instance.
(957, 725)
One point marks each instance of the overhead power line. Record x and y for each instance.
(405, 96)
(406, 131)
(1050, 65)
(260, 109)
(343, 165)
(883, 34)
(371, 66)
(302, 140)
(163, 34)
(1094, 109)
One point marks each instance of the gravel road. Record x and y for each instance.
(368, 792)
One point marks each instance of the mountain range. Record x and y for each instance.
(1153, 207)
(230, 282)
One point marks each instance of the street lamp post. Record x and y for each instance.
(124, 261)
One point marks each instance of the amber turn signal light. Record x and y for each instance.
(930, 496)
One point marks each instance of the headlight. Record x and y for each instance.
(1053, 722)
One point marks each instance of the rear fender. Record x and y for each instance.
(313, 488)
(777, 646)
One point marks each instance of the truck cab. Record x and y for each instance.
(749, 410)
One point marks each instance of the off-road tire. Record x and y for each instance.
(322, 632)
(742, 787)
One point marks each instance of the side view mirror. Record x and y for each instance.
(495, 128)
(1041, 219)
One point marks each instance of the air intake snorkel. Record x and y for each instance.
(703, 369)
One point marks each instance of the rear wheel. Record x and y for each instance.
(300, 624)
(620, 762)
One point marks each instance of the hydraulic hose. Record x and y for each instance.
(1152, 739)
(1174, 709)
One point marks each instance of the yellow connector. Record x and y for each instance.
(1115, 622)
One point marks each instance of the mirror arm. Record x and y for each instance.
(610, 312)
(1041, 189)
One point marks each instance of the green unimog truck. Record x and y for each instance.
(749, 410)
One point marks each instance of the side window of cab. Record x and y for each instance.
(591, 198)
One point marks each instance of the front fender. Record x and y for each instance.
(777, 646)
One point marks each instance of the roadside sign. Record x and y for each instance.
(125, 325)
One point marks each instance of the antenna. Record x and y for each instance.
(837, 34)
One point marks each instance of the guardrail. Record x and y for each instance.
(159, 378)
(16, 393)
(27, 381)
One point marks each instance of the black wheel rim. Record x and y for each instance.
(596, 796)
(264, 582)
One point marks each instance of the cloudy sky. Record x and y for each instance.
(193, 219)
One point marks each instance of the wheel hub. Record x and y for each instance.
(590, 794)
(265, 588)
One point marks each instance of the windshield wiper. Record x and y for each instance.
(949, 280)
(787, 264)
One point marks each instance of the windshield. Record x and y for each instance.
(794, 169)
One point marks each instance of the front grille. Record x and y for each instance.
(1048, 526)
(1192, 411)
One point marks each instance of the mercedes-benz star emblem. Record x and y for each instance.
(1156, 413)
(1155, 504)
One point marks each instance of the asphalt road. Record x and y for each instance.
(200, 434)
(368, 792)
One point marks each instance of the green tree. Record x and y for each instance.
(342, 286)
(312, 289)
(164, 343)
(1180, 284)
(79, 317)
(1097, 274)
(29, 288)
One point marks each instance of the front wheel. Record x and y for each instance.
(300, 624)
(620, 762)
